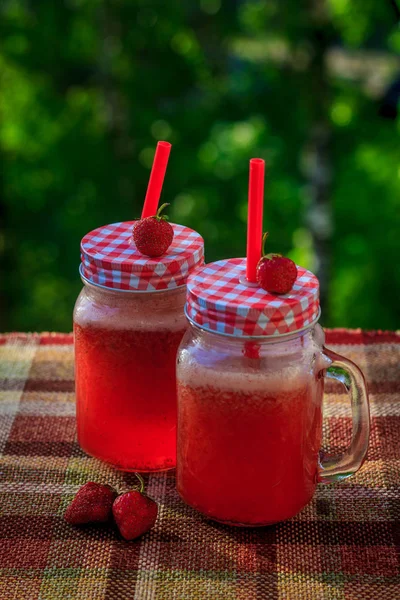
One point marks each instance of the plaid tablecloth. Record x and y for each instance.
(343, 545)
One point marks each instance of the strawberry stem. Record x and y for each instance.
(272, 254)
(264, 239)
(142, 484)
(159, 215)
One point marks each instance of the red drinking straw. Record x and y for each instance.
(156, 179)
(255, 217)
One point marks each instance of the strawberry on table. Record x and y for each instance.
(153, 235)
(92, 504)
(134, 513)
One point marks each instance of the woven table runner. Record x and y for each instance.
(342, 545)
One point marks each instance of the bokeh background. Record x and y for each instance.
(87, 87)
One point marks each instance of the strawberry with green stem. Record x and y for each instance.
(134, 512)
(276, 274)
(153, 235)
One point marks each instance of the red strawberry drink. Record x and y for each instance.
(128, 324)
(125, 373)
(263, 434)
(250, 386)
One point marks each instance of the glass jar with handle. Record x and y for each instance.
(251, 372)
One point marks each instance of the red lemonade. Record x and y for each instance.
(248, 443)
(128, 419)
(125, 356)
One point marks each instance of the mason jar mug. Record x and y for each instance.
(251, 371)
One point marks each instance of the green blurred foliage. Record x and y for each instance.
(89, 86)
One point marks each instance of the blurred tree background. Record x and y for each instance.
(312, 86)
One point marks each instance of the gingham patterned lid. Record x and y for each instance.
(110, 258)
(218, 301)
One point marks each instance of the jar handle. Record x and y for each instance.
(335, 468)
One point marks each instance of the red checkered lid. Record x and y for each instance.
(219, 299)
(110, 258)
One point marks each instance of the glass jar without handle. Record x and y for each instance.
(128, 324)
(251, 372)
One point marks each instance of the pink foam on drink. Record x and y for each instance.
(153, 312)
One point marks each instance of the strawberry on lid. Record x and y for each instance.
(275, 273)
(153, 235)
(109, 258)
(220, 300)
